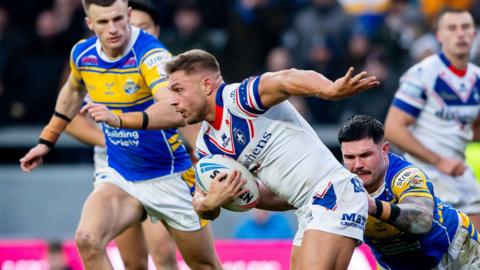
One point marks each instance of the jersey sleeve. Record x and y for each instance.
(410, 96)
(75, 76)
(410, 181)
(244, 99)
(152, 67)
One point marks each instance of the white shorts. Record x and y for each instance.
(167, 198)
(99, 157)
(339, 206)
(461, 192)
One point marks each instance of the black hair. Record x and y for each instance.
(146, 6)
(359, 127)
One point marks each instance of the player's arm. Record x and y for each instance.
(84, 129)
(413, 214)
(68, 104)
(223, 189)
(397, 131)
(189, 134)
(271, 201)
(476, 129)
(275, 87)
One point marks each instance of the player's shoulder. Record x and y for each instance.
(404, 174)
(475, 68)
(147, 45)
(83, 46)
(424, 67)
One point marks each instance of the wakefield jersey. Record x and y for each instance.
(395, 249)
(445, 102)
(126, 84)
(269, 142)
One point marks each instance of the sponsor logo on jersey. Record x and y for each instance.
(131, 87)
(130, 63)
(253, 154)
(353, 220)
(225, 140)
(89, 60)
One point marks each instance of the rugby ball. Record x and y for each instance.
(208, 167)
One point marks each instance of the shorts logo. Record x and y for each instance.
(357, 185)
(353, 220)
(327, 198)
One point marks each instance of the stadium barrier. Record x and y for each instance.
(235, 255)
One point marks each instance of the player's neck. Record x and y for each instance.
(210, 117)
(459, 62)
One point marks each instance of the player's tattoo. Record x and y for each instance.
(416, 215)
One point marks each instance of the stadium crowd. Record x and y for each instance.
(247, 36)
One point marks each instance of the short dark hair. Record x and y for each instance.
(146, 6)
(359, 127)
(193, 61)
(102, 3)
(446, 10)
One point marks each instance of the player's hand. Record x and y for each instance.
(100, 113)
(348, 85)
(450, 166)
(372, 206)
(224, 188)
(34, 157)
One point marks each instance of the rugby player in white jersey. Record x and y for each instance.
(140, 240)
(435, 113)
(252, 123)
(148, 172)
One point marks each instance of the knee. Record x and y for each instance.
(88, 242)
(138, 264)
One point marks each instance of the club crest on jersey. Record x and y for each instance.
(89, 60)
(130, 87)
(239, 136)
(225, 140)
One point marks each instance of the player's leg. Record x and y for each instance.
(295, 257)
(323, 250)
(133, 248)
(160, 245)
(197, 248)
(107, 211)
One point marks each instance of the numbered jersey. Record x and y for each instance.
(277, 144)
(395, 249)
(445, 102)
(127, 84)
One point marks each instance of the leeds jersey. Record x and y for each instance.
(445, 102)
(277, 144)
(126, 84)
(395, 249)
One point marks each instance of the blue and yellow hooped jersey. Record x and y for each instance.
(395, 249)
(127, 84)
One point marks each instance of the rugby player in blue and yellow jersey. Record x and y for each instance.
(149, 172)
(408, 227)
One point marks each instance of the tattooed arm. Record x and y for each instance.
(415, 214)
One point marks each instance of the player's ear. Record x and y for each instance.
(385, 148)
(89, 23)
(207, 85)
(129, 14)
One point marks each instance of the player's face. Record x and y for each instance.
(456, 32)
(143, 20)
(368, 160)
(189, 96)
(110, 25)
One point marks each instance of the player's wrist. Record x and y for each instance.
(53, 130)
(386, 211)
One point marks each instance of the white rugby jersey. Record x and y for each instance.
(276, 144)
(445, 102)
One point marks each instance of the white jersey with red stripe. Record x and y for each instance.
(276, 144)
(444, 100)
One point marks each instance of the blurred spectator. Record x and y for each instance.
(253, 28)
(56, 257)
(187, 32)
(261, 224)
(370, 13)
(279, 58)
(424, 46)
(431, 8)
